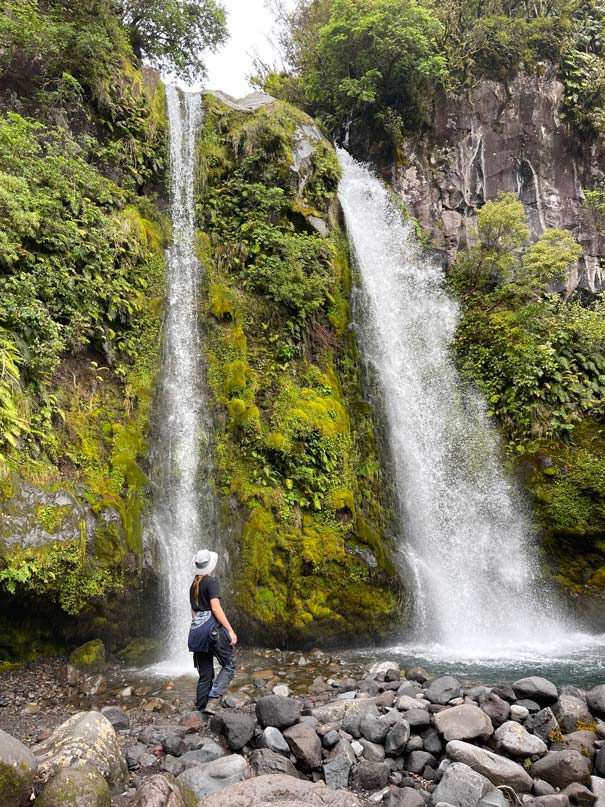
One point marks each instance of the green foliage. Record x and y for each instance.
(365, 59)
(173, 34)
(13, 418)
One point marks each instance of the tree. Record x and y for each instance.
(173, 34)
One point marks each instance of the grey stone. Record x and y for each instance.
(330, 739)
(461, 786)
(541, 690)
(373, 752)
(117, 717)
(384, 667)
(561, 768)
(495, 707)
(418, 760)
(597, 785)
(464, 722)
(499, 770)
(415, 743)
(505, 691)
(264, 762)
(18, 767)
(238, 729)
(148, 760)
(75, 787)
(337, 771)
(599, 762)
(513, 738)
(373, 729)
(542, 723)
(582, 741)
(409, 688)
(370, 776)
(207, 753)
(494, 798)
(596, 700)
(432, 742)
(157, 791)
(203, 780)
(579, 794)
(175, 745)
(552, 800)
(406, 702)
(418, 674)
(397, 738)
(533, 707)
(519, 713)
(418, 718)
(173, 765)
(404, 797)
(441, 690)
(304, 744)
(87, 738)
(569, 711)
(542, 788)
(133, 755)
(277, 711)
(264, 791)
(274, 740)
(337, 711)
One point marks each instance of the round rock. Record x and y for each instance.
(18, 767)
(534, 688)
(512, 738)
(464, 722)
(76, 787)
(277, 711)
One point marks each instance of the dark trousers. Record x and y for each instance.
(223, 651)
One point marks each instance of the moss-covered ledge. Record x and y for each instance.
(303, 505)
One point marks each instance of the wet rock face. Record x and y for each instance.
(505, 139)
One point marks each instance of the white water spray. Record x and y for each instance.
(182, 518)
(464, 535)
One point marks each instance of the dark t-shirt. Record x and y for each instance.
(209, 590)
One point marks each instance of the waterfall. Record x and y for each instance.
(465, 537)
(182, 518)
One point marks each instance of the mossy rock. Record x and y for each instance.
(140, 652)
(90, 657)
(9, 666)
(17, 770)
(76, 787)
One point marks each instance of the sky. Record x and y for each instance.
(250, 22)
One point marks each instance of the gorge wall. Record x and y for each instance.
(509, 137)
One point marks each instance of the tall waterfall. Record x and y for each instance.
(182, 501)
(464, 535)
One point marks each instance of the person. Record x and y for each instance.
(204, 596)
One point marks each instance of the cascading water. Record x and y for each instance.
(465, 537)
(182, 518)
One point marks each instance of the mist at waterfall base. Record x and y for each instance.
(465, 542)
(182, 515)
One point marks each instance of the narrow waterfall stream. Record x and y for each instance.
(182, 516)
(465, 538)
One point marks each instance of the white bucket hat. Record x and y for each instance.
(205, 561)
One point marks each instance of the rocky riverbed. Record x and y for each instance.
(297, 730)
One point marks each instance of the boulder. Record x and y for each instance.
(596, 700)
(87, 738)
(405, 797)
(432, 741)
(373, 729)
(202, 780)
(157, 791)
(461, 786)
(76, 787)
(397, 738)
(89, 657)
(597, 785)
(441, 690)
(373, 752)
(277, 790)
(304, 744)
(383, 667)
(512, 738)
(418, 674)
(494, 798)
(418, 718)
(418, 760)
(599, 762)
(495, 707)
(542, 724)
(277, 711)
(580, 794)
(337, 771)
(370, 776)
(519, 713)
(464, 722)
(499, 770)
(570, 711)
(561, 768)
(337, 711)
(238, 729)
(18, 767)
(275, 741)
(537, 689)
(117, 717)
(175, 745)
(582, 741)
(551, 800)
(265, 762)
(209, 751)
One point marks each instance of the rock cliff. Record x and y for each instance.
(505, 138)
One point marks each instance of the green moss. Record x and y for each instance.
(140, 651)
(90, 657)
(9, 666)
(52, 518)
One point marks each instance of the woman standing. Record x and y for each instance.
(211, 635)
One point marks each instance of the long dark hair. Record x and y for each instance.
(196, 589)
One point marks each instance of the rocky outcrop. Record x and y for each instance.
(505, 138)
